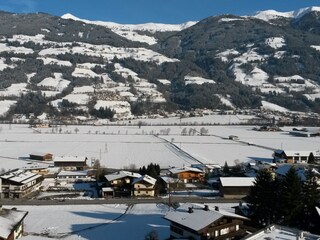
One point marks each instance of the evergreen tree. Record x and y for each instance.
(310, 197)
(226, 169)
(311, 159)
(262, 198)
(291, 198)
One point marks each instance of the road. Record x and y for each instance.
(129, 201)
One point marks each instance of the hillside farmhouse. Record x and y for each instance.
(144, 186)
(193, 221)
(235, 187)
(11, 223)
(19, 183)
(289, 156)
(71, 163)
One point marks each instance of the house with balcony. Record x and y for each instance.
(144, 186)
(195, 221)
(187, 174)
(121, 183)
(294, 156)
(11, 223)
(19, 183)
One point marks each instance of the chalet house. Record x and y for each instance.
(281, 232)
(41, 156)
(187, 174)
(121, 182)
(11, 223)
(70, 163)
(286, 156)
(19, 183)
(235, 187)
(302, 172)
(193, 221)
(144, 186)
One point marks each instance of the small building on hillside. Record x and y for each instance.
(71, 163)
(281, 232)
(121, 182)
(144, 186)
(19, 183)
(291, 156)
(187, 174)
(11, 223)
(41, 156)
(195, 221)
(235, 187)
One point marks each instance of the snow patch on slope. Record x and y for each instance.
(275, 42)
(197, 80)
(272, 107)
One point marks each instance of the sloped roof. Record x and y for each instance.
(199, 218)
(145, 178)
(184, 169)
(20, 176)
(237, 181)
(284, 169)
(8, 220)
(70, 159)
(121, 174)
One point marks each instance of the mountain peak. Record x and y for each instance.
(268, 15)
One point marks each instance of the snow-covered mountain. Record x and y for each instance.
(73, 68)
(272, 14)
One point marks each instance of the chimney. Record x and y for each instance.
(190, 210)
(216, 208)
(206, 208)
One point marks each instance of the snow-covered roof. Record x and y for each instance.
(237, 181)
(70, 159)
(121, 174)
(145, 178)
(199, 218)
(72, 173)
(8, 220)
(281, 232)
(184, 169)
(20, 176)
(284, 169)
(169, 179)
(107, 189)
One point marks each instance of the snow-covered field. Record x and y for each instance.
(99, 221)
(131, 146)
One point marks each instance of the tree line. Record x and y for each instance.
(286, 201)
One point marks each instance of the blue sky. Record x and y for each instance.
(142, 11)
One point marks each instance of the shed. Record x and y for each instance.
(235, 187)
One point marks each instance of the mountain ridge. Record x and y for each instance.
(68, 68)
